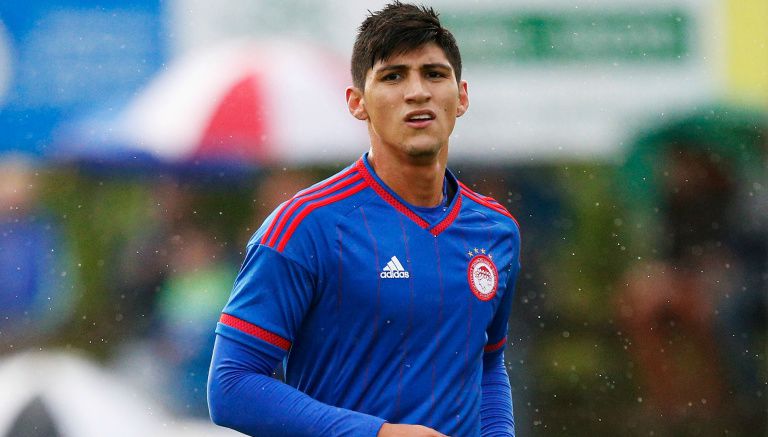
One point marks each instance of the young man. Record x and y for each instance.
(387, 286)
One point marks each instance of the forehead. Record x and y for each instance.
(429, 53)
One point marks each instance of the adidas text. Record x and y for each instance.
(391, 274)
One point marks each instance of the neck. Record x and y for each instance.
(418, 181)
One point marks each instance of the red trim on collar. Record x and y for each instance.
(443, 225)
(384, 194)
(403, 208)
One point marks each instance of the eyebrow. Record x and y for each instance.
(401, 67)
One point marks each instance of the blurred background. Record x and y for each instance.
(142, 143)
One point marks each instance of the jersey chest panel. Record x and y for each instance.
(398, 319)
(393, 277)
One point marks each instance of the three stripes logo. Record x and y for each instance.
(394, 269)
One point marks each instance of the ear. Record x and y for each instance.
(463, 99)
(356, 103)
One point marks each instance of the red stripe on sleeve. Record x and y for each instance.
(335, 198)
(485, 201)
(251, 329)
(496, 346)
(278, 234)
(280, 217)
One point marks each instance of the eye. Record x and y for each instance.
(391, 77)
(434, 74)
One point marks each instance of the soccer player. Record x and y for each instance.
(386, 288)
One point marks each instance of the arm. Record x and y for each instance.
(243, 396)
(270, 298)
(269, 301)
(496, 414)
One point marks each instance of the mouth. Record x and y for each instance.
(419, 119)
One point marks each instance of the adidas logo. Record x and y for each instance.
(394, 269)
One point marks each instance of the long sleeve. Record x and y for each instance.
(496, 412)
(270, 298)
(243, 396)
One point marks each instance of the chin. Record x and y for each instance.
(422, 151)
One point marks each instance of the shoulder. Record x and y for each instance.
(489, 207)
(308, 214)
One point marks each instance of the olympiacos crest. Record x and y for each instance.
(482, 276)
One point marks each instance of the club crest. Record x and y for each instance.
(483, 277)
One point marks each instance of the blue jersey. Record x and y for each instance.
(377, 306)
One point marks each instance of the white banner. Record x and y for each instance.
(547, 79)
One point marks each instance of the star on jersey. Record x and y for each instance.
(476, 251)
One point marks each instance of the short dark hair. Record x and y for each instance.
(396, 29)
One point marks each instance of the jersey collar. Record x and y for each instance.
(389, 196)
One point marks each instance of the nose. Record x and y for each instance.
(417, 90)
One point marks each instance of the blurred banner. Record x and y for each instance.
(64, 59)
(747, 50)
(263, 82)
(564, 80)
(547, 79)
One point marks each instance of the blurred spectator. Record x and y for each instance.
(143, 264)
(36, 278)
(741, 319)
(190, 301)
(694, 306)
(669, 302)
(277, 186)
(172, 280)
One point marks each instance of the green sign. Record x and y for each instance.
(595, 37)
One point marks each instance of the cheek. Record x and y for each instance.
(380, 113)
(450, 110)
(386, 114)
(450, 105)
(379, 106)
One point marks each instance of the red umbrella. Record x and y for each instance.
(257, 102)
